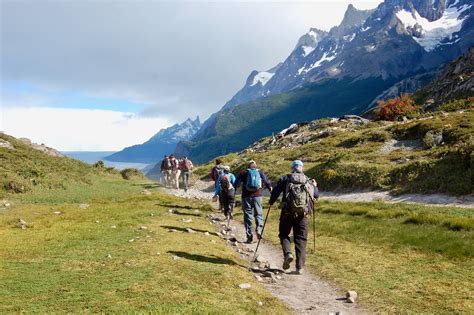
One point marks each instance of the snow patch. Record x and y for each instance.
(433, 32)
(364, 29)
(307, 50)
(262, 77)
(349, 38)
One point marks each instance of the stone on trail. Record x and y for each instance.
(245, 286)
(207, 233)
(260, 259)
(22, 223)
(84, 206)
(109, 256)
(143, 227)
(131, 241)
(258, 278)
(113, 227)
(351, 296)
(172, 230)
(146, 192)
(171, 211)
(187, 220)
(189, 230)
(260, 303)
(175, 257)
(58, 213)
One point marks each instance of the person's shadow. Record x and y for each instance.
(208, 259)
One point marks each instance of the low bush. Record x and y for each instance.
(455, 105)
(129, 173)
(396, 108)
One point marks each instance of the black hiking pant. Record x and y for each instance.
(300, 235)
(228, 202)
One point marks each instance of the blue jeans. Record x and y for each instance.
(255, 204)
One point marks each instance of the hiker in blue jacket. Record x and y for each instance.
(226, 192)
(253, 182)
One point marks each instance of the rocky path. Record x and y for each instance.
(203, 190)
(304, 294)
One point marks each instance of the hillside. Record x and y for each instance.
(431, 153)
(29, 169)
(370, 55)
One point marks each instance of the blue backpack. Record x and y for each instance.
(254, 182)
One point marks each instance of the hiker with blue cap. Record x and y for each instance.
(299, 194)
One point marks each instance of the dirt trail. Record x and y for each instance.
(305, 294)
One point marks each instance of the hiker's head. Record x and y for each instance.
(252, 164)
(218, 161)
(227, 169)
(166, 156)
(185, 157)
(297, 166)
(172, 156)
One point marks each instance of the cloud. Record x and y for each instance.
(179, 58)
(69, 129)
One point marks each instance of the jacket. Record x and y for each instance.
(218, 183)
(242, 178)
(281, 186)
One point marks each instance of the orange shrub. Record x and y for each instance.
(396, 108)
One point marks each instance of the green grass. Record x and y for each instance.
(59, 263)
(395, 266)
(351, 159)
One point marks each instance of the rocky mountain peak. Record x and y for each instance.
(352, 18)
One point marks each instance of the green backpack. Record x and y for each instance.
(298, 194)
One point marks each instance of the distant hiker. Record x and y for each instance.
(174, 171)
(186, 166)
(299, 193)
(253, 181)
(217, 171)
(166, 170)
(226, 192)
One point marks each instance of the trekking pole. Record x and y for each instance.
(261, 235)
(314, 227)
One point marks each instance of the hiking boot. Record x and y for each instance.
(287, 261)
(299, 271)
(249, 240)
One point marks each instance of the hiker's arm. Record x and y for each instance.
(218, 184)
(276, 191)
(315, 189)
(232, 179)
(266, 181)
(213, 178)
(238, 179)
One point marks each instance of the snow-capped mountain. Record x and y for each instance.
(371, 54)
(163, 142)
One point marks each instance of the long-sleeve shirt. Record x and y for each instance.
(242, 178)
(218, 183)
(281, 186)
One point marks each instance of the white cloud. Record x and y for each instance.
(68, 129)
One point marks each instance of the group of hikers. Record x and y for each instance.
(171, 169)
(299, 194)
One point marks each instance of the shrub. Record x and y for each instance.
(99, 164)
(128, 173)
(433, 139)
(455, 105)
(396, 108)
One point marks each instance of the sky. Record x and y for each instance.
(102, 75)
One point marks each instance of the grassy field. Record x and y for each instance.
(117, 256)
(399, 258)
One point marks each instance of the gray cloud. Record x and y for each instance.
(180, 58)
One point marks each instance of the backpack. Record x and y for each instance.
(185, 165)
(219, 170)
(226, 186)
(254, 181)
(298, 194)
(167, 164)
